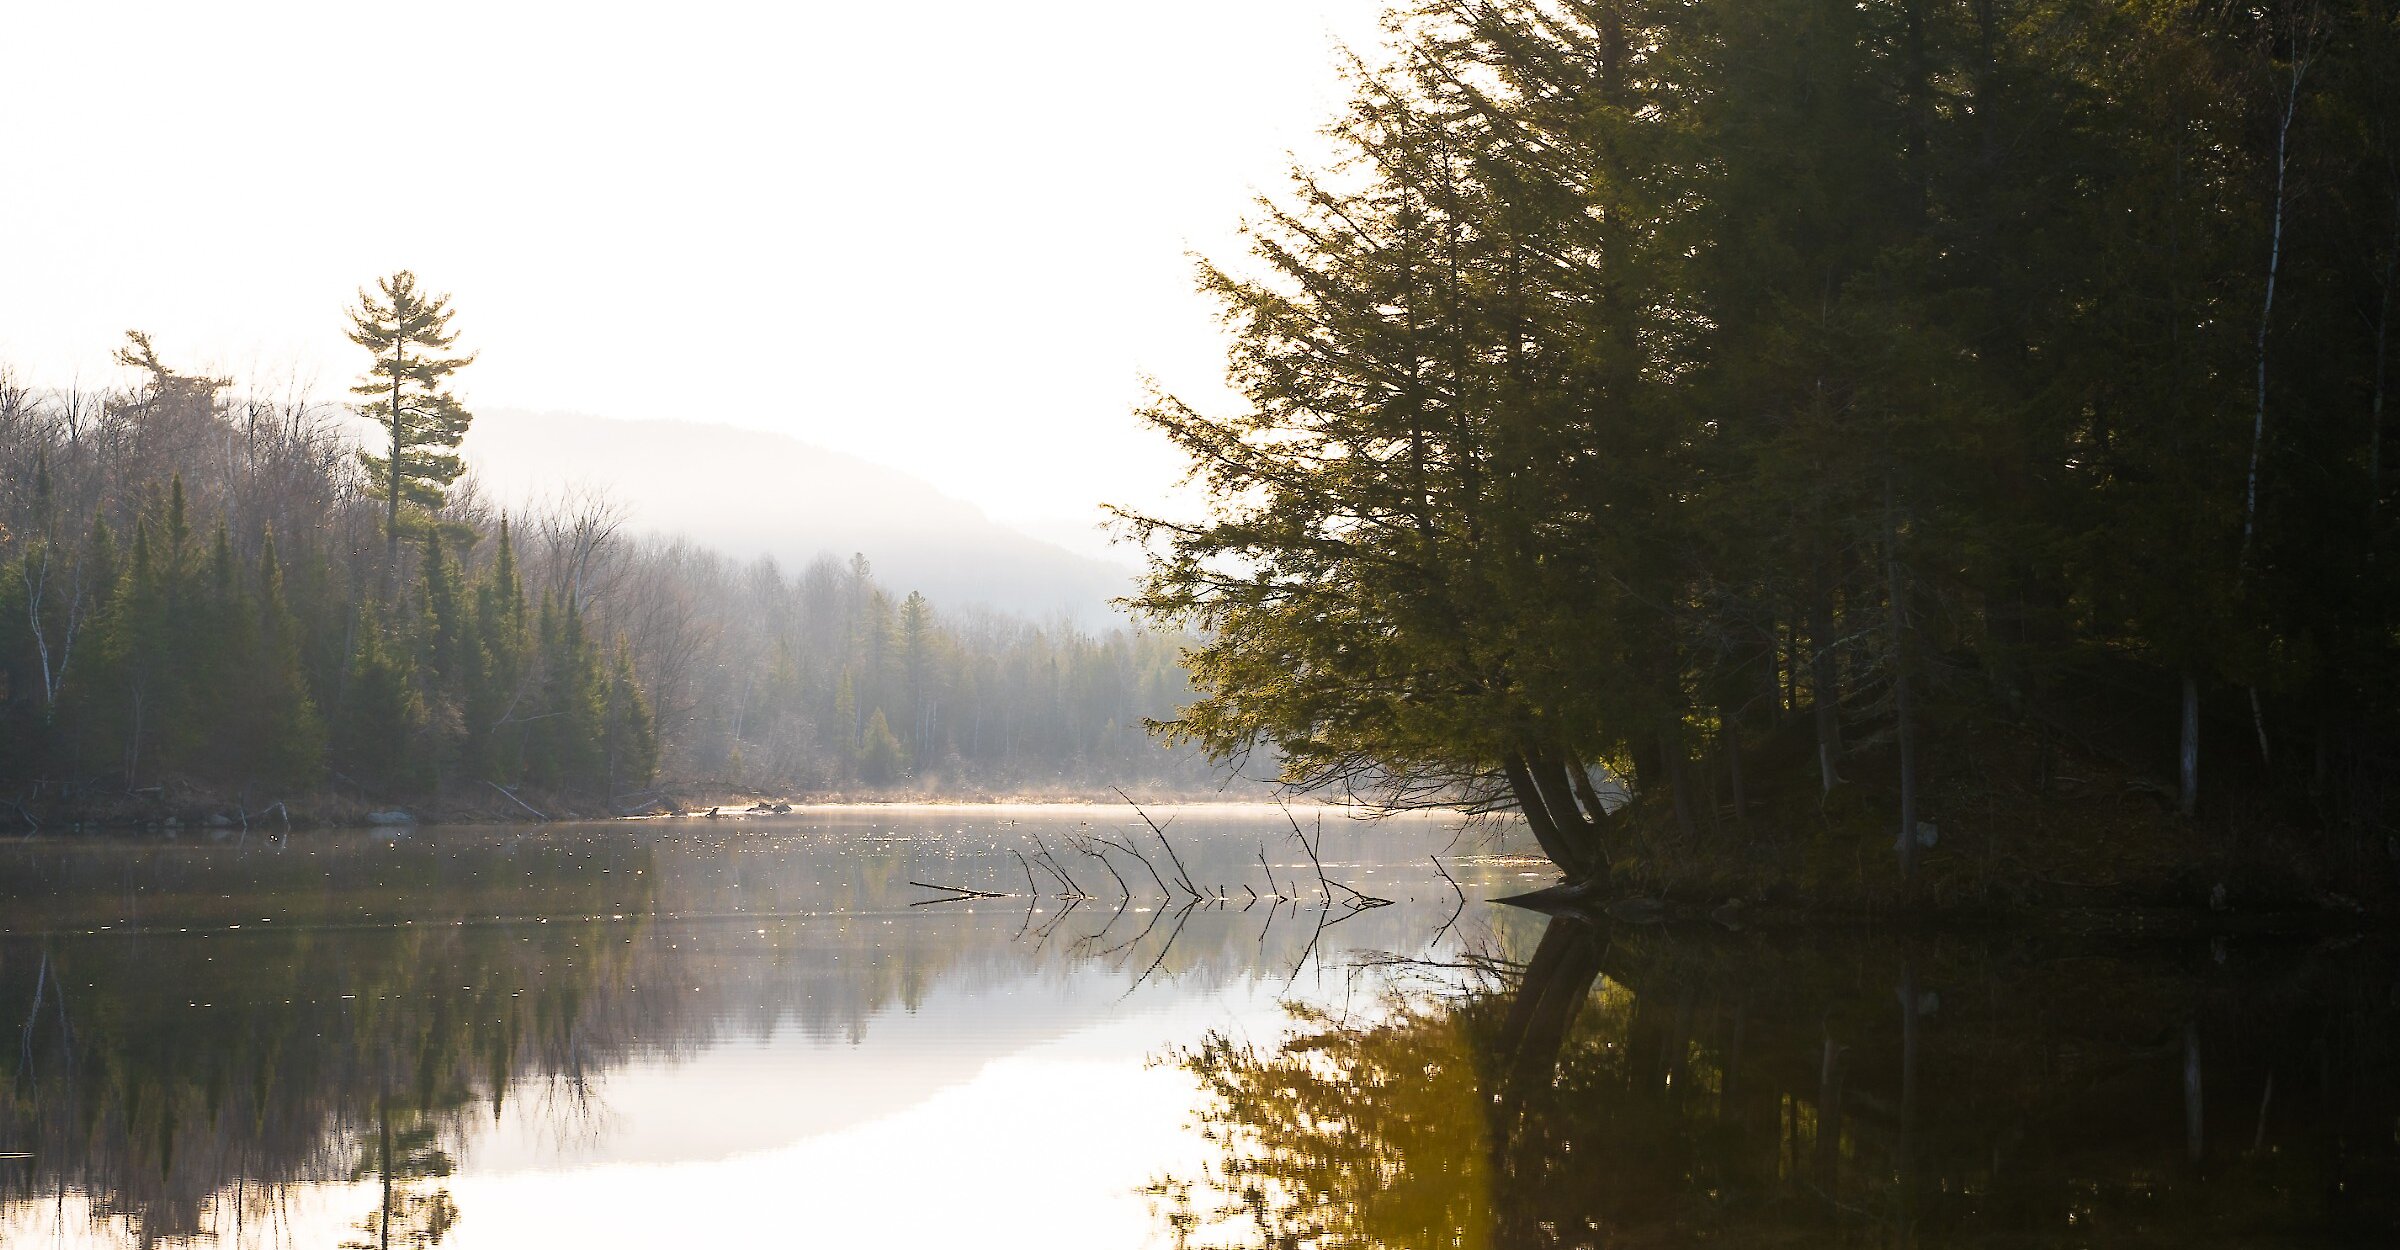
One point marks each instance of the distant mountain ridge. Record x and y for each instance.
(751, 493)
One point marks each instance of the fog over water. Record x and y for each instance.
(575, 667)
(723, 1033)
(696, 1033)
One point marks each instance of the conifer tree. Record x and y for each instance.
(496, 667)
(139, 629)
(381, 714)
(220, 636)
(407, 391)
(881, 759)
(446, 624)
(287, 737)
(566, 746)
(631, 743)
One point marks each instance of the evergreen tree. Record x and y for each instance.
(567, 742)
(881, 760)
(631, 742)
(220, 633)
(375, 737)
(447, 628)
(1641, 367)
(136, 644)
(285, 737)
(497, 663)
(406, 391)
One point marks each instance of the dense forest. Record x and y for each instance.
(1920, 399)
(215, 597)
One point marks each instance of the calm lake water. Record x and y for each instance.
(742, 1033)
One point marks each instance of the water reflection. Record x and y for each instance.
(353, 1039)
(1647, 1087)
(712, 1035)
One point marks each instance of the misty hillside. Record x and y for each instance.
(752, 493)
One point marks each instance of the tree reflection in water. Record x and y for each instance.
(1636, 1087)
(199, 1033)
(400, 1158)
(183, 1066)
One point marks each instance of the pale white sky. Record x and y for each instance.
(948, 236)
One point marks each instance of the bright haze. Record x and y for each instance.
(949, 238)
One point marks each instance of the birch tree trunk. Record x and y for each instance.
(2266, 310)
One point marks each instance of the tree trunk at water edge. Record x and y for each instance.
(1556, 841)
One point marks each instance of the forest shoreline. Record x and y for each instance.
(332, 809)
(1778, 883)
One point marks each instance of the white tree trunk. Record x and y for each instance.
(2266, 311)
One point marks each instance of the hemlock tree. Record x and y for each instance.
(1413, 581)
(406, 392)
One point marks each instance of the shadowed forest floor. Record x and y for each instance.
(2018, 822)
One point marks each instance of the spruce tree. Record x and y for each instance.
(496, 663)
(566, 747)
(446, 625)
(135, 641)
(631, 742)
(287, 736)
(220, 637)
(381, 715)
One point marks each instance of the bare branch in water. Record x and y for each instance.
(1085, 846)
(1462, 899)
(1054, 868)
(1182, 874)
(1162, 882)
(958, 893)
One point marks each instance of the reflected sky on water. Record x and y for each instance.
(689, 1033)
(743, 1032)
